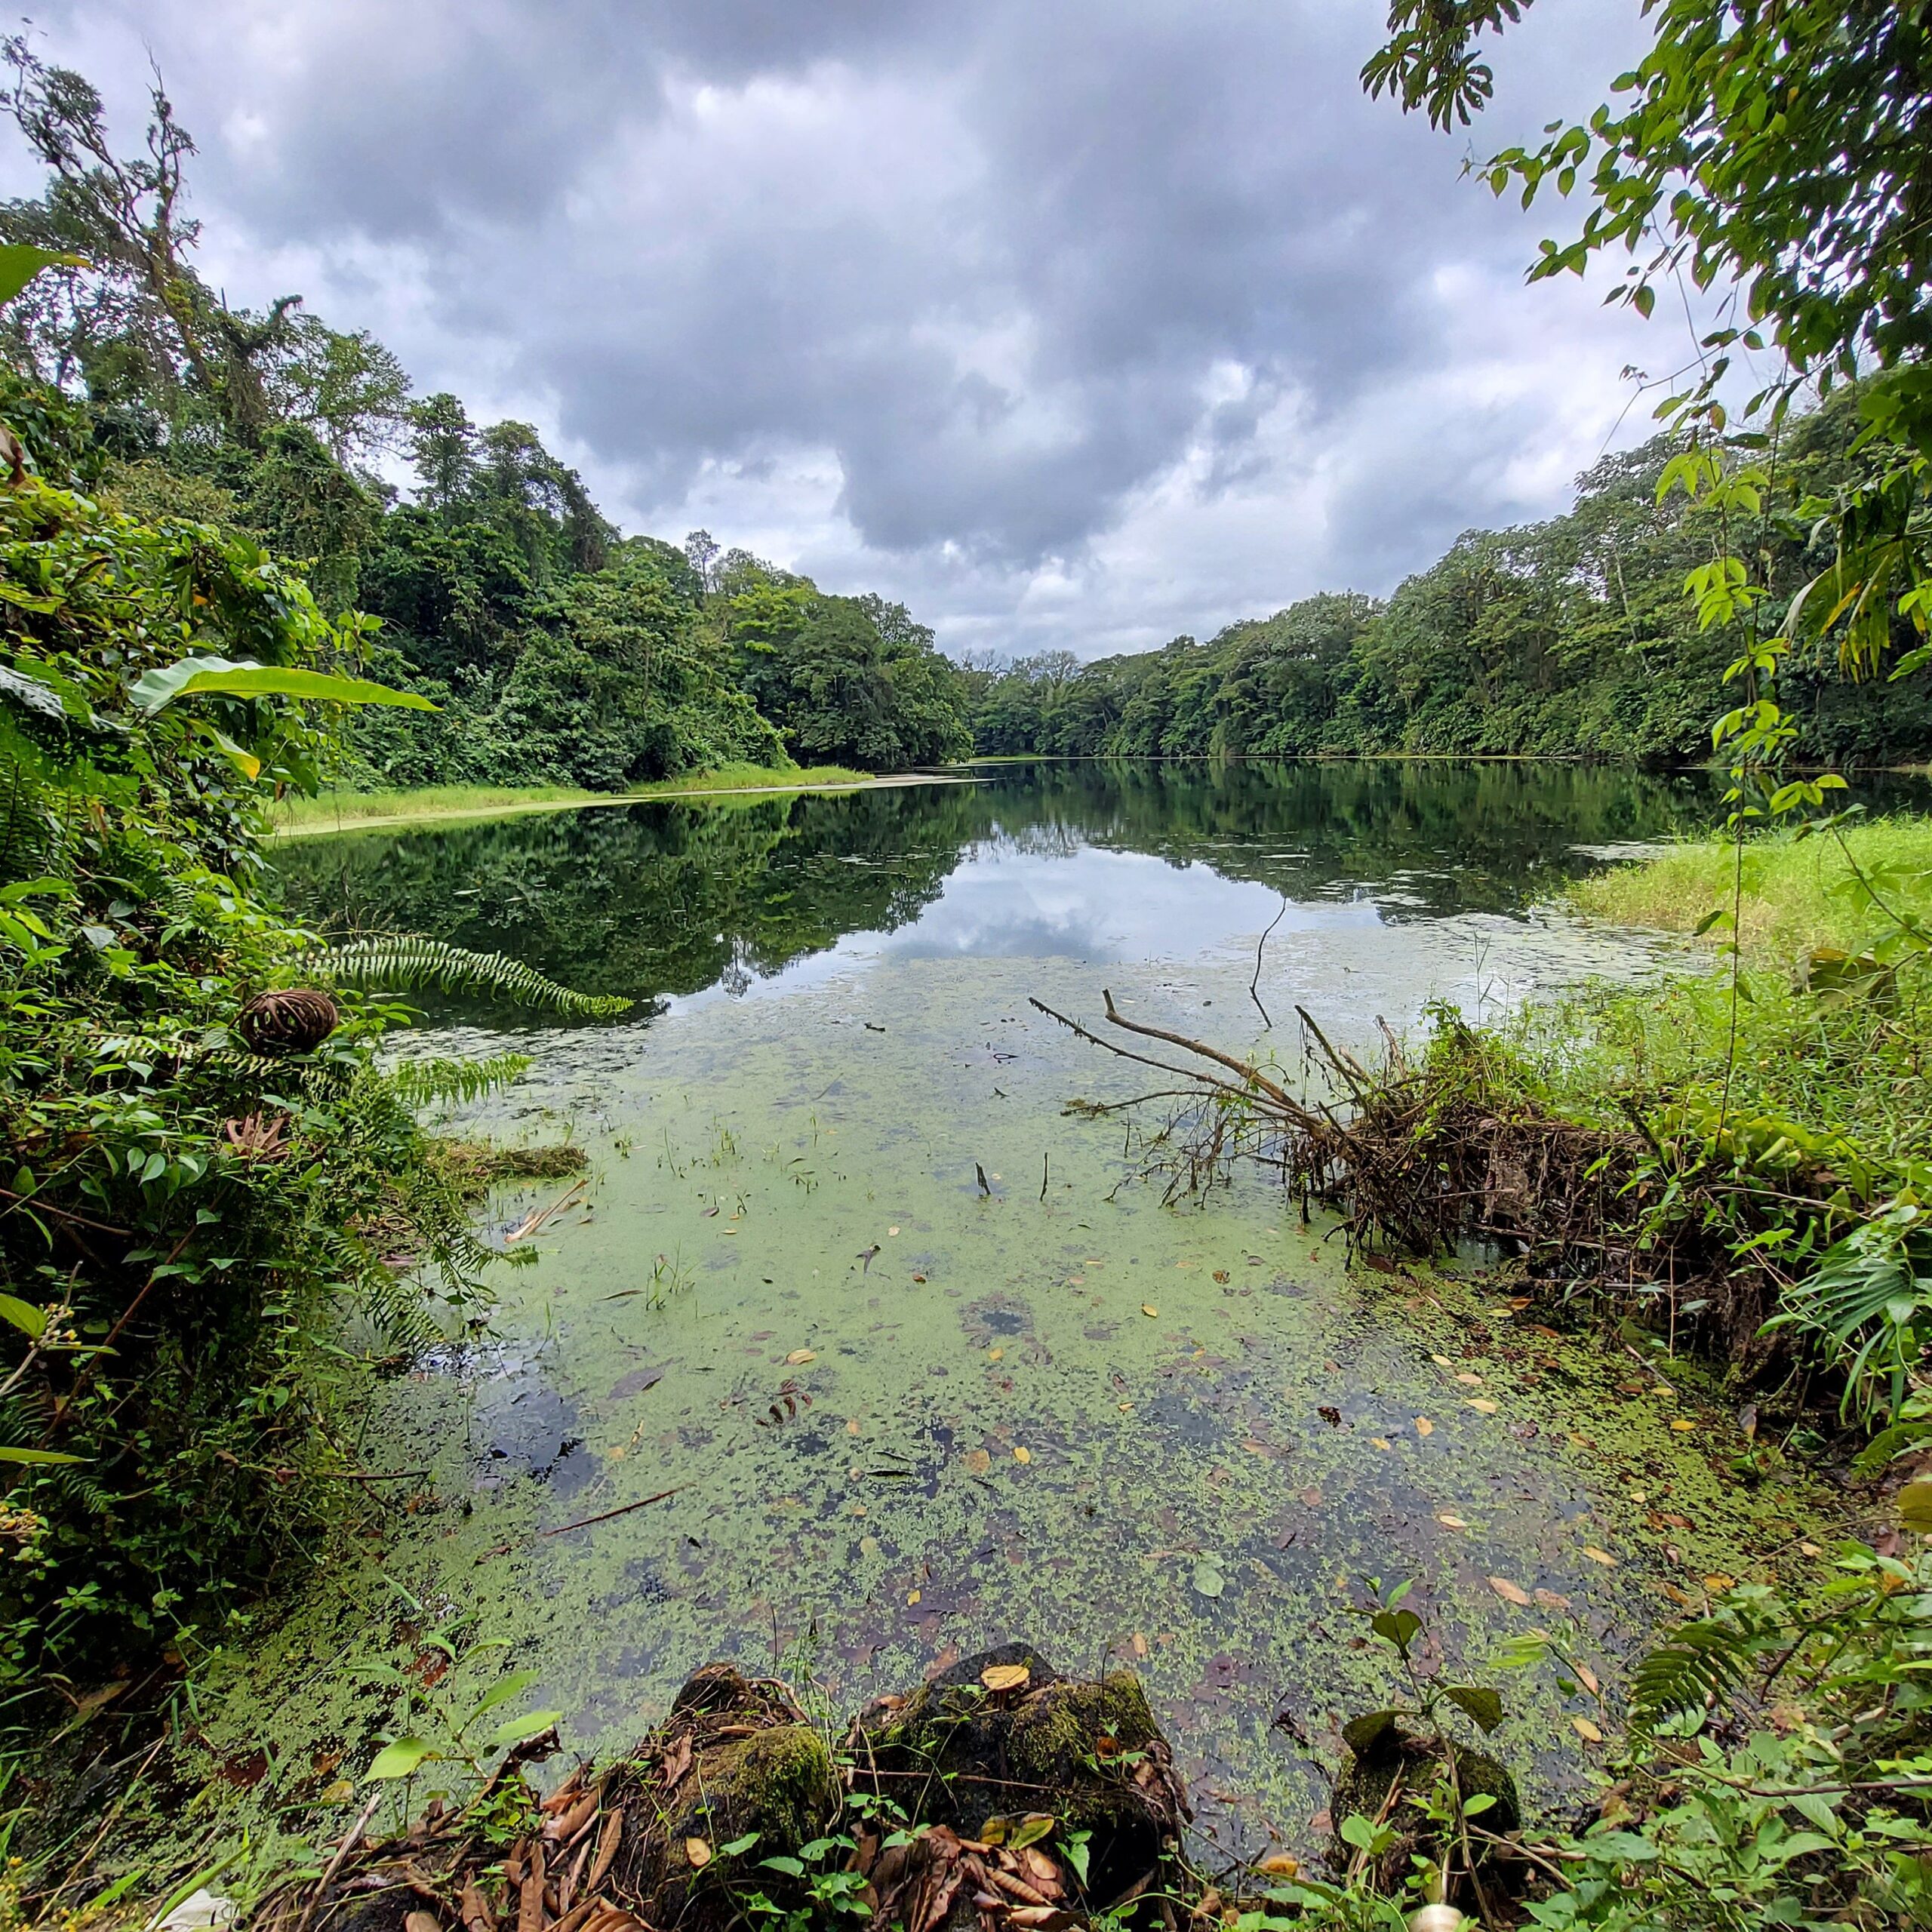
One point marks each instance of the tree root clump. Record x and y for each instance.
(1417, 1159)
(1000, 1797)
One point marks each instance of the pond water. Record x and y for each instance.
(893, 1414)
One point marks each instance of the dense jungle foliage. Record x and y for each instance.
(1572, 638)
(556, 650)
(205, 1167)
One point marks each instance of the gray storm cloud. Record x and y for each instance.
(1079, 323)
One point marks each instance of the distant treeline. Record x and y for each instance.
(559, 651)
(1572, 638)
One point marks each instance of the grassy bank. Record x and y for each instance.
(345, 811)
(1798, 895)
(1729, 1160)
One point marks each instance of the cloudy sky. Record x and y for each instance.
(1071, 322)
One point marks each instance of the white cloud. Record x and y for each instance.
(1078, 326)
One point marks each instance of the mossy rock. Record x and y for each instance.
(1089, 1752)
(779, 1784)
(1398, 1755)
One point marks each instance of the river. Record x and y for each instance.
(895, 1413)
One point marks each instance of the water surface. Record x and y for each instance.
(902, 1413)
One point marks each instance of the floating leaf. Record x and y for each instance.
(1380, 1442)
(1718, 1584)
(1588, 1678)
(1510, 1593)
(996, 1354)
(1450, 1522)
(1023, 1455)
(1482, 1405)
(1586, 1730)
(698, 1852)
(892, 1231)
(1424, 1426)
(1220, 1274)
(1602, 1556)
(1208, 1581)
(1551, 1601)
(1147, 1308)
(978, 1462)
(799, 1357)
(1469, 1380)
(1684, 1426)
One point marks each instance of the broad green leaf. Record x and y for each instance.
(37, 1456)
(1031, 1830)
(738, 1847)
(195, 677)
(790, 1867)
(399, 1759)
(1915, 1506)
(1356, 1830)
(1362, 1734)
(518, 1730)
(20, 263)
(1483, 1705)
(1399, 1627)
(32, 1321)
(499, 1693)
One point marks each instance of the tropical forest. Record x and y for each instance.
(1162, 1160)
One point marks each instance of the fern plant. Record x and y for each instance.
(405, 962)
(1869, 1301)
(427, 1083)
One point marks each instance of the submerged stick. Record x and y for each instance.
(622, 1509)
(1253, 985)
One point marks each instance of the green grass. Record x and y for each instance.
(1798, 894)
(349, 809)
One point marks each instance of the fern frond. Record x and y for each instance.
(424, 1083)
(1699, 1665)
(28, 833)
(402, 962)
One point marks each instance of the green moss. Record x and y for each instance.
(780, 1782)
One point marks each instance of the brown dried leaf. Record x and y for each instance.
(1510, 1593)
(999, 1677)
(699, 1852)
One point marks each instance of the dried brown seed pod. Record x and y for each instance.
(290, 1019)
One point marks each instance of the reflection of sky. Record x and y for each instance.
(1003, 903)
